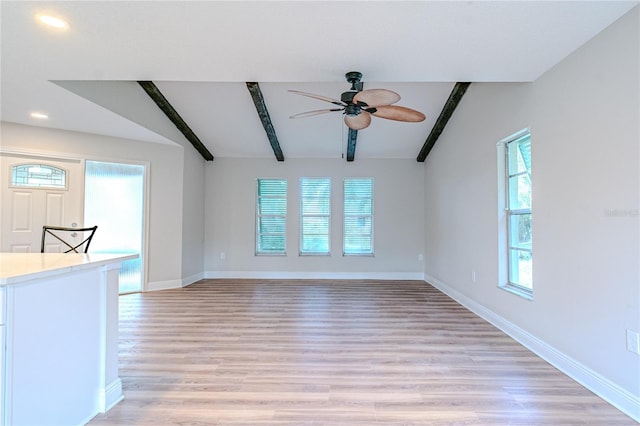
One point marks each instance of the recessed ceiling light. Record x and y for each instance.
(52, 21)
(39, 115)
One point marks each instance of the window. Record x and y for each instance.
(271, 216)
(315, 215)
(358, 217)
(518, 214)
(38, 176)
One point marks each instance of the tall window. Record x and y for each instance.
(358, 217)
(315, 215)
(271, 216)
(518, 213)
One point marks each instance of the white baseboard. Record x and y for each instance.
(280, 275)
(112, 394)
(620, 398)
(192, 279)
(163, 285)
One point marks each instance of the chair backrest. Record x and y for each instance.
(66, 238)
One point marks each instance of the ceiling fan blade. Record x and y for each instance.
(320, 97)
(376, 97)
(398, 113)
(358, 122)
(316, 112)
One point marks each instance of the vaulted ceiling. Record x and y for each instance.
(200, 55)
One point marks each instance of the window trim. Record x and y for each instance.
(302, 216)
(371, 216)
(506, 248)
(258, 252)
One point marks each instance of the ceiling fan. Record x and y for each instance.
(359, 105)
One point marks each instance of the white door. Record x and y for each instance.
(44, 192)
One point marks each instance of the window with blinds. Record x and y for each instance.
(271, 216)
(315, 215)
(358, 217)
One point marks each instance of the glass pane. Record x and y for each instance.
(38, 175)
(315, 206)
(272, 225)
(316, 187)
(272, 206)
(520, 270)
(519, 192)
(357, 206)
(272, 187)
(358, 187)
(114, 200)
(315, 225)
(271, 243)
(357, 225)
(357, 244)
(519, 155)
(520, 231)
(315, 243)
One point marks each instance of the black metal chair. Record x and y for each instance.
(66, 235)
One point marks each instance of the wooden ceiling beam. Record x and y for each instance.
(447, 111)
(263, 113)
(168, 110)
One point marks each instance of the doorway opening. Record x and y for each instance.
(114, 199)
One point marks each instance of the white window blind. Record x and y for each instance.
(271, 216)
(315, 215)
(358, 217)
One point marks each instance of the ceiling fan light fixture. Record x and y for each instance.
(358, 105)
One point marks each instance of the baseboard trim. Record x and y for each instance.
(192, 279)
(163, 285)
(620, 398)
(112, 394)
(279, 275)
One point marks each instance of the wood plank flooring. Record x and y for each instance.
(256, 352)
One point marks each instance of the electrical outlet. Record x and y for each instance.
(420, 258)
(473, 276)
(223, 256)
(633, 341)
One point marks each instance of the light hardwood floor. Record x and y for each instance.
(249, 352)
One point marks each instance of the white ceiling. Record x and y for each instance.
(200, 54)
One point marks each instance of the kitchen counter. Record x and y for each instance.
(58, 337)
(20, 267)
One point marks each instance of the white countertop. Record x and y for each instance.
(19, 267)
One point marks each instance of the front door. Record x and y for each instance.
(38, 191)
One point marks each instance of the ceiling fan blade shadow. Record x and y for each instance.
(358, 122)
(320, 97)
(398, 113)
(315, 112)
(376, 97)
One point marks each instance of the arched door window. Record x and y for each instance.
(38, 176)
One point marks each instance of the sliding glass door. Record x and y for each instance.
(114, 200)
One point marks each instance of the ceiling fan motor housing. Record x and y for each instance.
(354, 78)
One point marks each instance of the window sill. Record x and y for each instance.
(517, 291)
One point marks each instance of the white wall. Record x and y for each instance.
(398, 218)
(584, 117)
(166, 196)
(193, 193)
